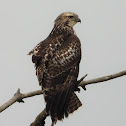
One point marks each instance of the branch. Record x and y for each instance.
(18, 97)
(82, 84)
(40, 119)
(102, 79)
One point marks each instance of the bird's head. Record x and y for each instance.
(67, 19)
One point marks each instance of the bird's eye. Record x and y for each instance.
(70, 16)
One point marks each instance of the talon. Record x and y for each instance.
(84, 88)
(77, 89)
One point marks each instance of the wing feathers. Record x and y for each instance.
(65, 57)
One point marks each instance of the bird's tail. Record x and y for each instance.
(73, 104)
(61, 99)
(60, 104)
(62, 108)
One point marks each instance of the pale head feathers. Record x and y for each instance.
(67, 19)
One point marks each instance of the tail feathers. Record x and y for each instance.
(56, 103)
(56, 100)
(73, 104)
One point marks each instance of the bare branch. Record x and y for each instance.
(102, 79)
(18, 97)
(31, 94)
(82, 84)
(40, 119)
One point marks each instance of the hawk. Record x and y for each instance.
(57, 61)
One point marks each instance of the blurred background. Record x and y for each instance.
(25, 23)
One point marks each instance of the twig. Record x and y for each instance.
(82, 79)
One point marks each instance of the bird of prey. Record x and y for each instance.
(57, 61)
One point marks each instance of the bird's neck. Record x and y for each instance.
(60, 29)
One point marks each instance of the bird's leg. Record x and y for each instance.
(76, 87)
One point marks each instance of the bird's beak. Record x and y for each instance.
(78, 20)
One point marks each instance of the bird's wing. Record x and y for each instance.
(42, 52)
(65, 57)
(38, 57)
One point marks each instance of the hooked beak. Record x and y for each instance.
(78, 20)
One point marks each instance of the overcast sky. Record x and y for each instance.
(24, 23)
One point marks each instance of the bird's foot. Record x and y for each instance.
(77, 89)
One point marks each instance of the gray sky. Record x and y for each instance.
(24, 23)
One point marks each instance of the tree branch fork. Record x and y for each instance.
(39, 121)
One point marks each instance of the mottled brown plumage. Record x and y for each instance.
(57, 61)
